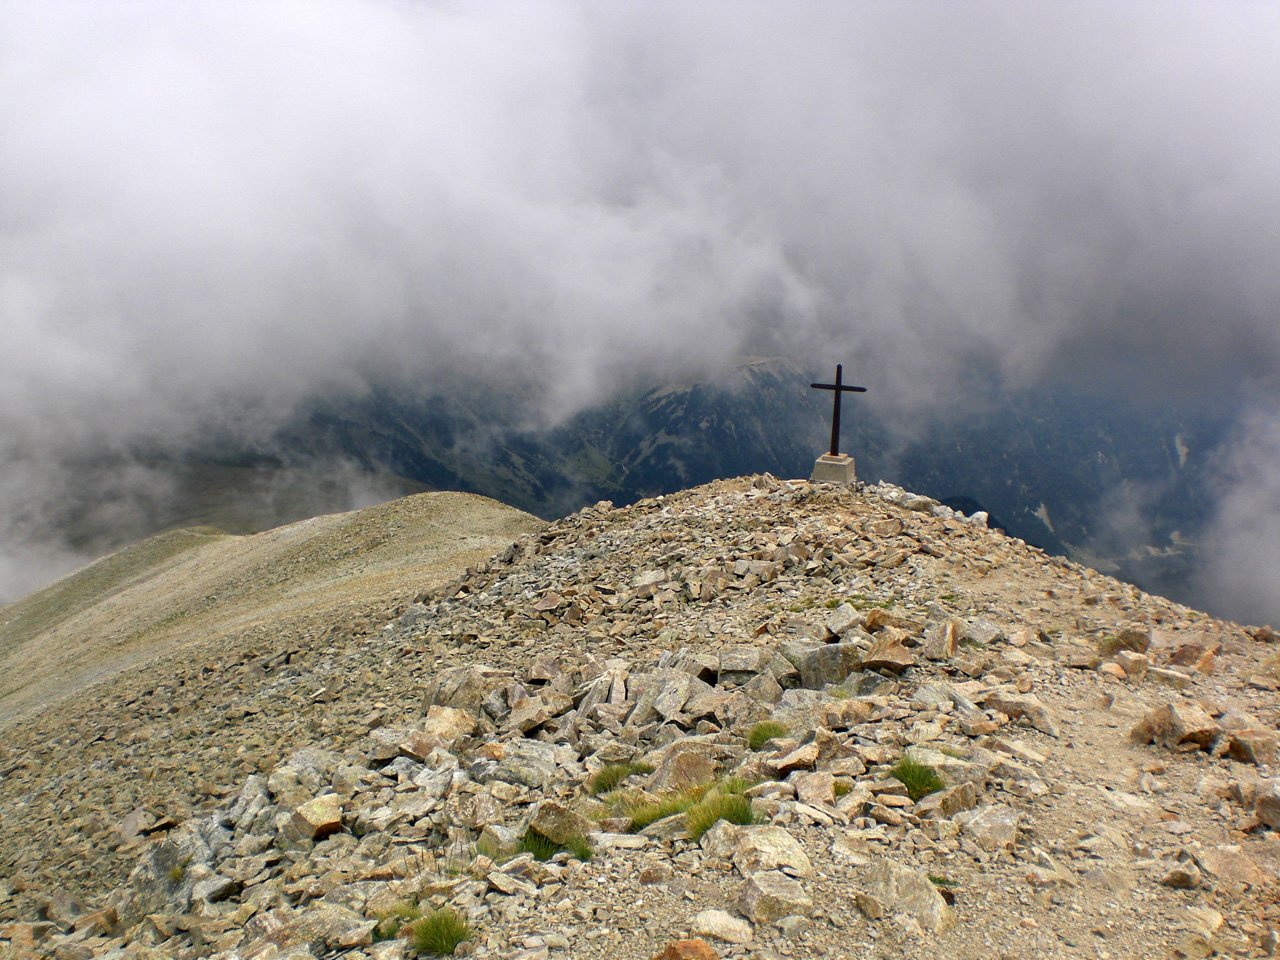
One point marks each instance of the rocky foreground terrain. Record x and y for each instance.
(553, 747)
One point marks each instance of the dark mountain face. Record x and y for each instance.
(1074, 474)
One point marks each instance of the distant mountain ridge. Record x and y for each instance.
(1071, 473)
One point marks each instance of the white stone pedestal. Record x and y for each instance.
(837, 469)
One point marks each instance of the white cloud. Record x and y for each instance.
(214, 212)
(1243, 572)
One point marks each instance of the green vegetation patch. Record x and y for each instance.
(920, 779)
(391, 920)
(730, 807)
(644, 812)
(438, 933)
(702, 806)
(607, 778)
(763, 732)
(544, 848)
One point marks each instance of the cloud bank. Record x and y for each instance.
(1244, 542)
(212, 213)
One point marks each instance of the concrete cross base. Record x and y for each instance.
(834, 469)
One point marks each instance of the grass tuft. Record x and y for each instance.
(392, 919)
(544, 848)
(763, 732)
(732, 807)
(581, 848)
(608, 778)
(647, 812)
(439, 932)
(703, 805)
(920, 779)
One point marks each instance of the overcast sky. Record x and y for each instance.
(211, 212)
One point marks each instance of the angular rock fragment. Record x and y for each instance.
(740, 711)
(891, 888)
(1023, 707)
(557, 822)
(683, 767)
(664, 693)
(1176, 724)
(815, 787)
(465, 688)
(941, 640)
(758, 849)
(739, 663)
(763, 688)
(844, 714)
(766, 897)
(306, 774)
(1252, 746)
(990, 827)
(1197, 655)
(696, 949)
(828, 664)
(1266, 805)
(720, 925)
(1201, 938)
(1135, 665)
(447, 725)
(842, 618)
(1232, 865)
(803, 757)
(316, 819)
(948, 802)
(526, 763)
(162, 880)
(532, 712)
(981, 632)
(888, 653)
(330, 926)
(1170, 677)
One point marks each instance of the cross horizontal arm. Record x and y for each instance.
(843, 387)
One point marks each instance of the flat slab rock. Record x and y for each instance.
(720, 925)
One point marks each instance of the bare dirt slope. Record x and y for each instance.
(199, 588)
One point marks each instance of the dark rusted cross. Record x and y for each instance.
(838, 387)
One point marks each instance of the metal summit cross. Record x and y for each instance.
(839, 387)
(833, 467)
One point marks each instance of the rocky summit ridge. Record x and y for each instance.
(758, 719)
